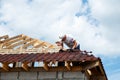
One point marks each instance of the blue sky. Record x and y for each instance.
(93, 23)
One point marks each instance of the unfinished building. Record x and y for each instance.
(25, 58)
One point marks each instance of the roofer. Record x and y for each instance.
(69, 41)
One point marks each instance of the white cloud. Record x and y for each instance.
(46, 20)
(5, 31)
(107, 12)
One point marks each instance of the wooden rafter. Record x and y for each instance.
(51, 46)
(25, 66)
(60, 68)
(5, 66)
(8, 43)
(4, 37)
(30, 43)
(19, 43)
(46, 66)
(39, 45)
(91, 65)
(102, 70)
(24, 43)
(12, 38)
(68, 65)
(87, 74)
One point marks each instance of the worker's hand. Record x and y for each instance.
(75, 44)
(59, 43)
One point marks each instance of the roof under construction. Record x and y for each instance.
(21, 53)
(23, 43)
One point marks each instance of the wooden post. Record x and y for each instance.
(68, 65)
(25, 66)
(91, 65)
(5, 66)
(46, 66)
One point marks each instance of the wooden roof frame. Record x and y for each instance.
(24, 43)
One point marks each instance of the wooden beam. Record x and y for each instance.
(8, 43)
(87, 74)
(96, 71)
(5, 66)
(48, 48)
(91, 65)
(68, 65)
(52, 69)
(39, 45)
(30, 43)
(42, 43)
(4, 37)
(12, 38)
(51, 46)
(46, 66)
(102, 70)
(19, 43)
(25, 66)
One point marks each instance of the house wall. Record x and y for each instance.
(42, 76)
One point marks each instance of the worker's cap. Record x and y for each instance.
(61, 37)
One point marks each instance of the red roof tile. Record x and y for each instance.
(59, 56)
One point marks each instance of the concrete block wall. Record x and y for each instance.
(8, 75)
(42, 76)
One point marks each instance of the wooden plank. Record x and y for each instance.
(48, 48)
(30, 43)
(52, 69)
(25, 66)
(46, 66)
(12, 38)
(42, 43)
(87, 74)
(102, 70)
(4, 37)
(67, 63)
(51, 46)
(8, 43)
(39, 45)
(5, 66)
(19, 43)
(91, 65)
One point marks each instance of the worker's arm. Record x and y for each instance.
(75, 44)
(60, 43)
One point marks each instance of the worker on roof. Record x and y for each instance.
(69, 41)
